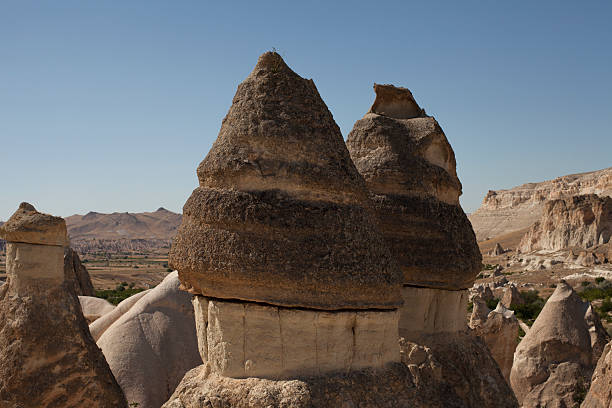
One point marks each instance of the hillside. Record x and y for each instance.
(506, 211)
(120, 232)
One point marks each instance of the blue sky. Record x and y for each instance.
(110, 105)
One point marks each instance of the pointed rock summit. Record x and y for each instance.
(279, 216)
(47, 355)
(554, 362)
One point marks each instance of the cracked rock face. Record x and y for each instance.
(582, 221)
(47, 355)
(242, 340)
(76, 273)
(279, 216)
(409, 169)
(600, 392)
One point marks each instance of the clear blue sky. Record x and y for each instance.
(110, 105)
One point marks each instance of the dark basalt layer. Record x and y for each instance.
(409, 168)
(280, 215)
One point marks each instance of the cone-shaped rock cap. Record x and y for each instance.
(32, 227)
(409, 168)
(279, 214)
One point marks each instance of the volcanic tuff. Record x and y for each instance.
(409, 169)
(581, 221)
(554, 361)
(505, 211)
(47, 355)
(279, 214)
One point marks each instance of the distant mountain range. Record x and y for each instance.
(122, 232)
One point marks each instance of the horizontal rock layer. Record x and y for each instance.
(505, 211)
(241, 340)
(432, 311)
(32, 227)
(432, 241)
(266, 246)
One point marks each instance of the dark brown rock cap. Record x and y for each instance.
(280, 214)
(29, 226)
(409, 169)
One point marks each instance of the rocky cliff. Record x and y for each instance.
(505, 211)
(582, 221)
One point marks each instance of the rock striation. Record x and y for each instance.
(291, 276)
(409, 169)
(151, 346)
(47, 356)
(279, 214)
(554, 361)
(500, 332)
(579, 221)
(506, 211)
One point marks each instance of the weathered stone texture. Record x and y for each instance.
(280, 214)
(249, 340)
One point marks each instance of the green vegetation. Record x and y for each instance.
(488, 267)
(599, 279)
(120, 293)
(470, 306)
(492, 303)
(585, 283)
(593, 293)
(529, 311)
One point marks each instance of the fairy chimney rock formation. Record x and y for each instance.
(600, 392)
(554, 362)
(291, 276)
(499, 330)
(47, 355)
(409, 169)
(578, 221)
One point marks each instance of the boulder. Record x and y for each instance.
(554, 361)
(93, 307)
(47, 355)
(152, 345)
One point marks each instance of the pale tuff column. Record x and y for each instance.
(28, 263)
(429, 311)
(243, 339)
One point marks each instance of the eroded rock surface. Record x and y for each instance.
(77, 274)
(505, 211)
(94, 308)
(153, 344)
(500, 332)
(279, 216)
(554, 361)
(409, 169)
(579, 221)
(600, 392)
(47, 355)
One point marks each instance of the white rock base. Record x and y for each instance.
(242, 340)
(429, 311)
